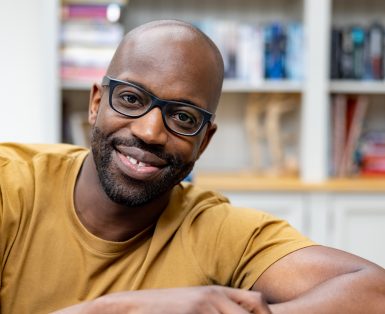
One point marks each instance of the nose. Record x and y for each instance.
(150, 128)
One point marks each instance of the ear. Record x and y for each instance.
(94, 103)
(206, 140)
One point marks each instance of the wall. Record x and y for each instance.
(28, 62)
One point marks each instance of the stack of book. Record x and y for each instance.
(254, 52)
(372, 154)
(358, 52)
(90, 34)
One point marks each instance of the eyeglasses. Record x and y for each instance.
(134, 101)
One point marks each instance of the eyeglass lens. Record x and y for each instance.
(134, 102)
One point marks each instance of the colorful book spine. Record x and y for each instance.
(101, 12)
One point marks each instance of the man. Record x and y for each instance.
(114, 231)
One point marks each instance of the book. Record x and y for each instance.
(358, 39)
(294, 51)
(91, 33)
(82, 74)
(253, 52)
(89, 36)
(86, 56)
(375, 47)
(275, 51)
(346, 58)
(121, 2)
(349, 163)
(338, 131)
(249, 57)
(357, 52)
(335, 53)
(103, 12)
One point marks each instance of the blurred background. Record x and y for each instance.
(302, 114)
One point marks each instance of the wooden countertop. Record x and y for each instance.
(252, 183)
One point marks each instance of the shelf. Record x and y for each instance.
(251, 183)
(357, 87)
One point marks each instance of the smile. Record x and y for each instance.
(137, 169)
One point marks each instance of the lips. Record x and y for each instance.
(138, 163)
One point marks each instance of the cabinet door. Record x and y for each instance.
(359, 225)
(287, 206)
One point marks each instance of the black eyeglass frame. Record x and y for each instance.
(208, 117)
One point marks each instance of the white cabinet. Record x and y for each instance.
(289, 206)
(351, 222)
(359, 225)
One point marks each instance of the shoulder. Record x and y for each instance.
(31, 159)
(14, 152)
(24, 166)
(235, 245)
(210, 206)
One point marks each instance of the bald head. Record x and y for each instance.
(170, 48)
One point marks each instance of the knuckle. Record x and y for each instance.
(259, 298)
(211, 291)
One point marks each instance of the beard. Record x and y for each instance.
(125, 190)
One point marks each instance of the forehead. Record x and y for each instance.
(172, 65)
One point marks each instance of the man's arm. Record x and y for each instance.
(192, 300)
(323, 280)
(311, 280)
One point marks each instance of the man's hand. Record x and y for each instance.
(193, 300)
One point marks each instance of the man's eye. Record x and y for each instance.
(131, 99)
(184, 117)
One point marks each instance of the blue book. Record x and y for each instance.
(275, 51)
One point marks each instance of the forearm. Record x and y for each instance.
(76, 309)
(359, 292)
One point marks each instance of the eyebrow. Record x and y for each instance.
(186, 101)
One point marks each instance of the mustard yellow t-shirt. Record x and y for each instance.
(50, 261)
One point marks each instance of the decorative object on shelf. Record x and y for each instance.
(263, 122)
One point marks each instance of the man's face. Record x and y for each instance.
(138, 160)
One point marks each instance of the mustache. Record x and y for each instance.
(154, 149)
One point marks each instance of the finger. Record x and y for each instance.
(252, 301)
(228, 306)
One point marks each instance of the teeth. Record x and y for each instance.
(132, 160)
(136, 162)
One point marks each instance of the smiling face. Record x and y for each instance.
(139, 160)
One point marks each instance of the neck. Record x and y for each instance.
(105, 218)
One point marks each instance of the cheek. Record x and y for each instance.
(108, 121)
(186, 149)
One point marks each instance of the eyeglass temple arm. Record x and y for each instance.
(105, 81)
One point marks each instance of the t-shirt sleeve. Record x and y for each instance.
(234, 246)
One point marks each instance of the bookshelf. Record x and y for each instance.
(312, 119)
(329, 210)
